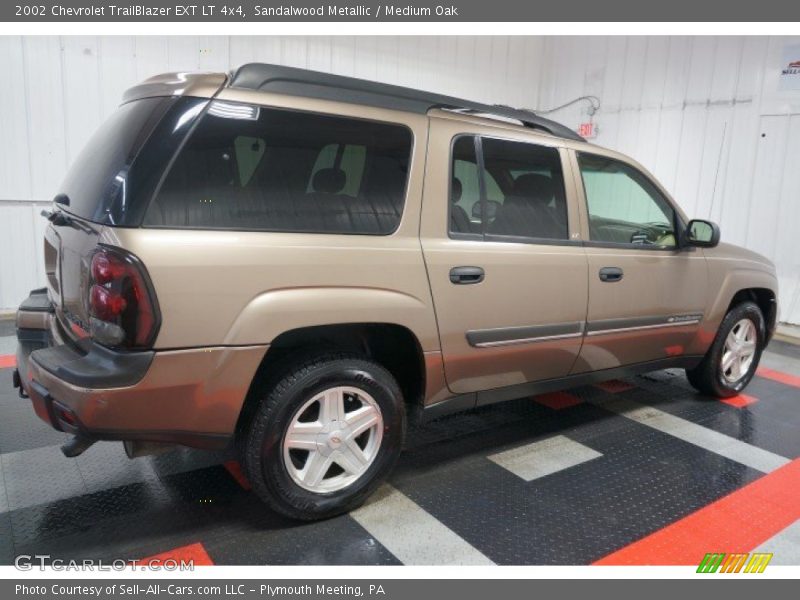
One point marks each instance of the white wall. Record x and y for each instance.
(57, 90)
(693, 110)
(706, 116)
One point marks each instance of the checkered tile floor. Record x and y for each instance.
(626, 472)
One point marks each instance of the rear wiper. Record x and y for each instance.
(57, 217)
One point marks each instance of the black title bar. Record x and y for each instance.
(241, 11)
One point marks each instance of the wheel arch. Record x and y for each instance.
(393, 346)
(765, 299)
(732, 286)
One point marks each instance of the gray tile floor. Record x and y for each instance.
(34, 474)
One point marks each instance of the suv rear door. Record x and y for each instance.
(646, 295)
(509, 282)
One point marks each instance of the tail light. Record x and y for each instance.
(122, 306)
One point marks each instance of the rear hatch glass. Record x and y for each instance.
(112, 179)
(110, 183)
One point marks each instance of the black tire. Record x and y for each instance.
(263, 445)
(707, 377)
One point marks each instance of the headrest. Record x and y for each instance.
(455, 190)
(534, 187)
(329, 181)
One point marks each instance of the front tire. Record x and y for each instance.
(733, 358)
(325, 436)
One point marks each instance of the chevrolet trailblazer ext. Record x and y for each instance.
(286, 261)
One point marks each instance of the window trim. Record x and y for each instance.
(496, 237)
(677, 221)
(199, 119)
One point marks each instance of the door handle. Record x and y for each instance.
(466, 275)
(611, 274)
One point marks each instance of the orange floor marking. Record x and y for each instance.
(739, 401)
(194, 552)
(614, 386)
(785, 378)
(235, 469)
(557, 400)
(738, 522)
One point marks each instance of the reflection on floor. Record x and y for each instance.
(641, 471)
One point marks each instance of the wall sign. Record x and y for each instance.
(790, 69)
(587, 130)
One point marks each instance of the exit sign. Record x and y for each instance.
(587, 130)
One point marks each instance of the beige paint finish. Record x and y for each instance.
(248, 287)
(524, 285)
(656, 283)
(184, 391)
(730, 269)
(200, 85)
(225, 295)
(235, 288)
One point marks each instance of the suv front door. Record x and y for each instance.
(509, 284)
(646, 295)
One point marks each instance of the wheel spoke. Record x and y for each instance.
(331, 406)
(747, 347)
(360, 420)
(350, 458)
(731, 341)
(727, 361)
(315, 468)
(736, 368)
(303, 436)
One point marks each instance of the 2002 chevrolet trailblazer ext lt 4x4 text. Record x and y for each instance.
(295, 263)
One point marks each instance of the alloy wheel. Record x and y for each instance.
(739, 351)
(333, 439)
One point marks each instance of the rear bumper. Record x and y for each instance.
(191, 397)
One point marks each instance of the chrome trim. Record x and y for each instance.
(544, 338)
(526, 334)
(642, 327)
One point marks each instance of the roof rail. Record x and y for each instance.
(314, 84)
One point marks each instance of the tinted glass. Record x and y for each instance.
(96, 183)
(255, 168)
(533, 202)
(524, 189)
(624, 206)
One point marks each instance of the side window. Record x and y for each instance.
(465, 193)
(624, 206)
(523, 185)
(249, 152)
(346, 157)
(257, 168)
(534, 203)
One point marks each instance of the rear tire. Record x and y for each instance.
(733, 358)
(325, 436)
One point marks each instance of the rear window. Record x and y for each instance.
(112, 180)
(255, 168)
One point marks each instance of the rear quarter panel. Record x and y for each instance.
(248, 287)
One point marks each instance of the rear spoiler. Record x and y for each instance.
(200, 85)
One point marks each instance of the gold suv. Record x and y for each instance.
(294, 263)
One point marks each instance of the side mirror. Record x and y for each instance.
(704, 234)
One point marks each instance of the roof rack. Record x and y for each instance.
(314, 84)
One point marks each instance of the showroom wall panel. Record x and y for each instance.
(704, 114)
(707, 116)
(60, 88)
